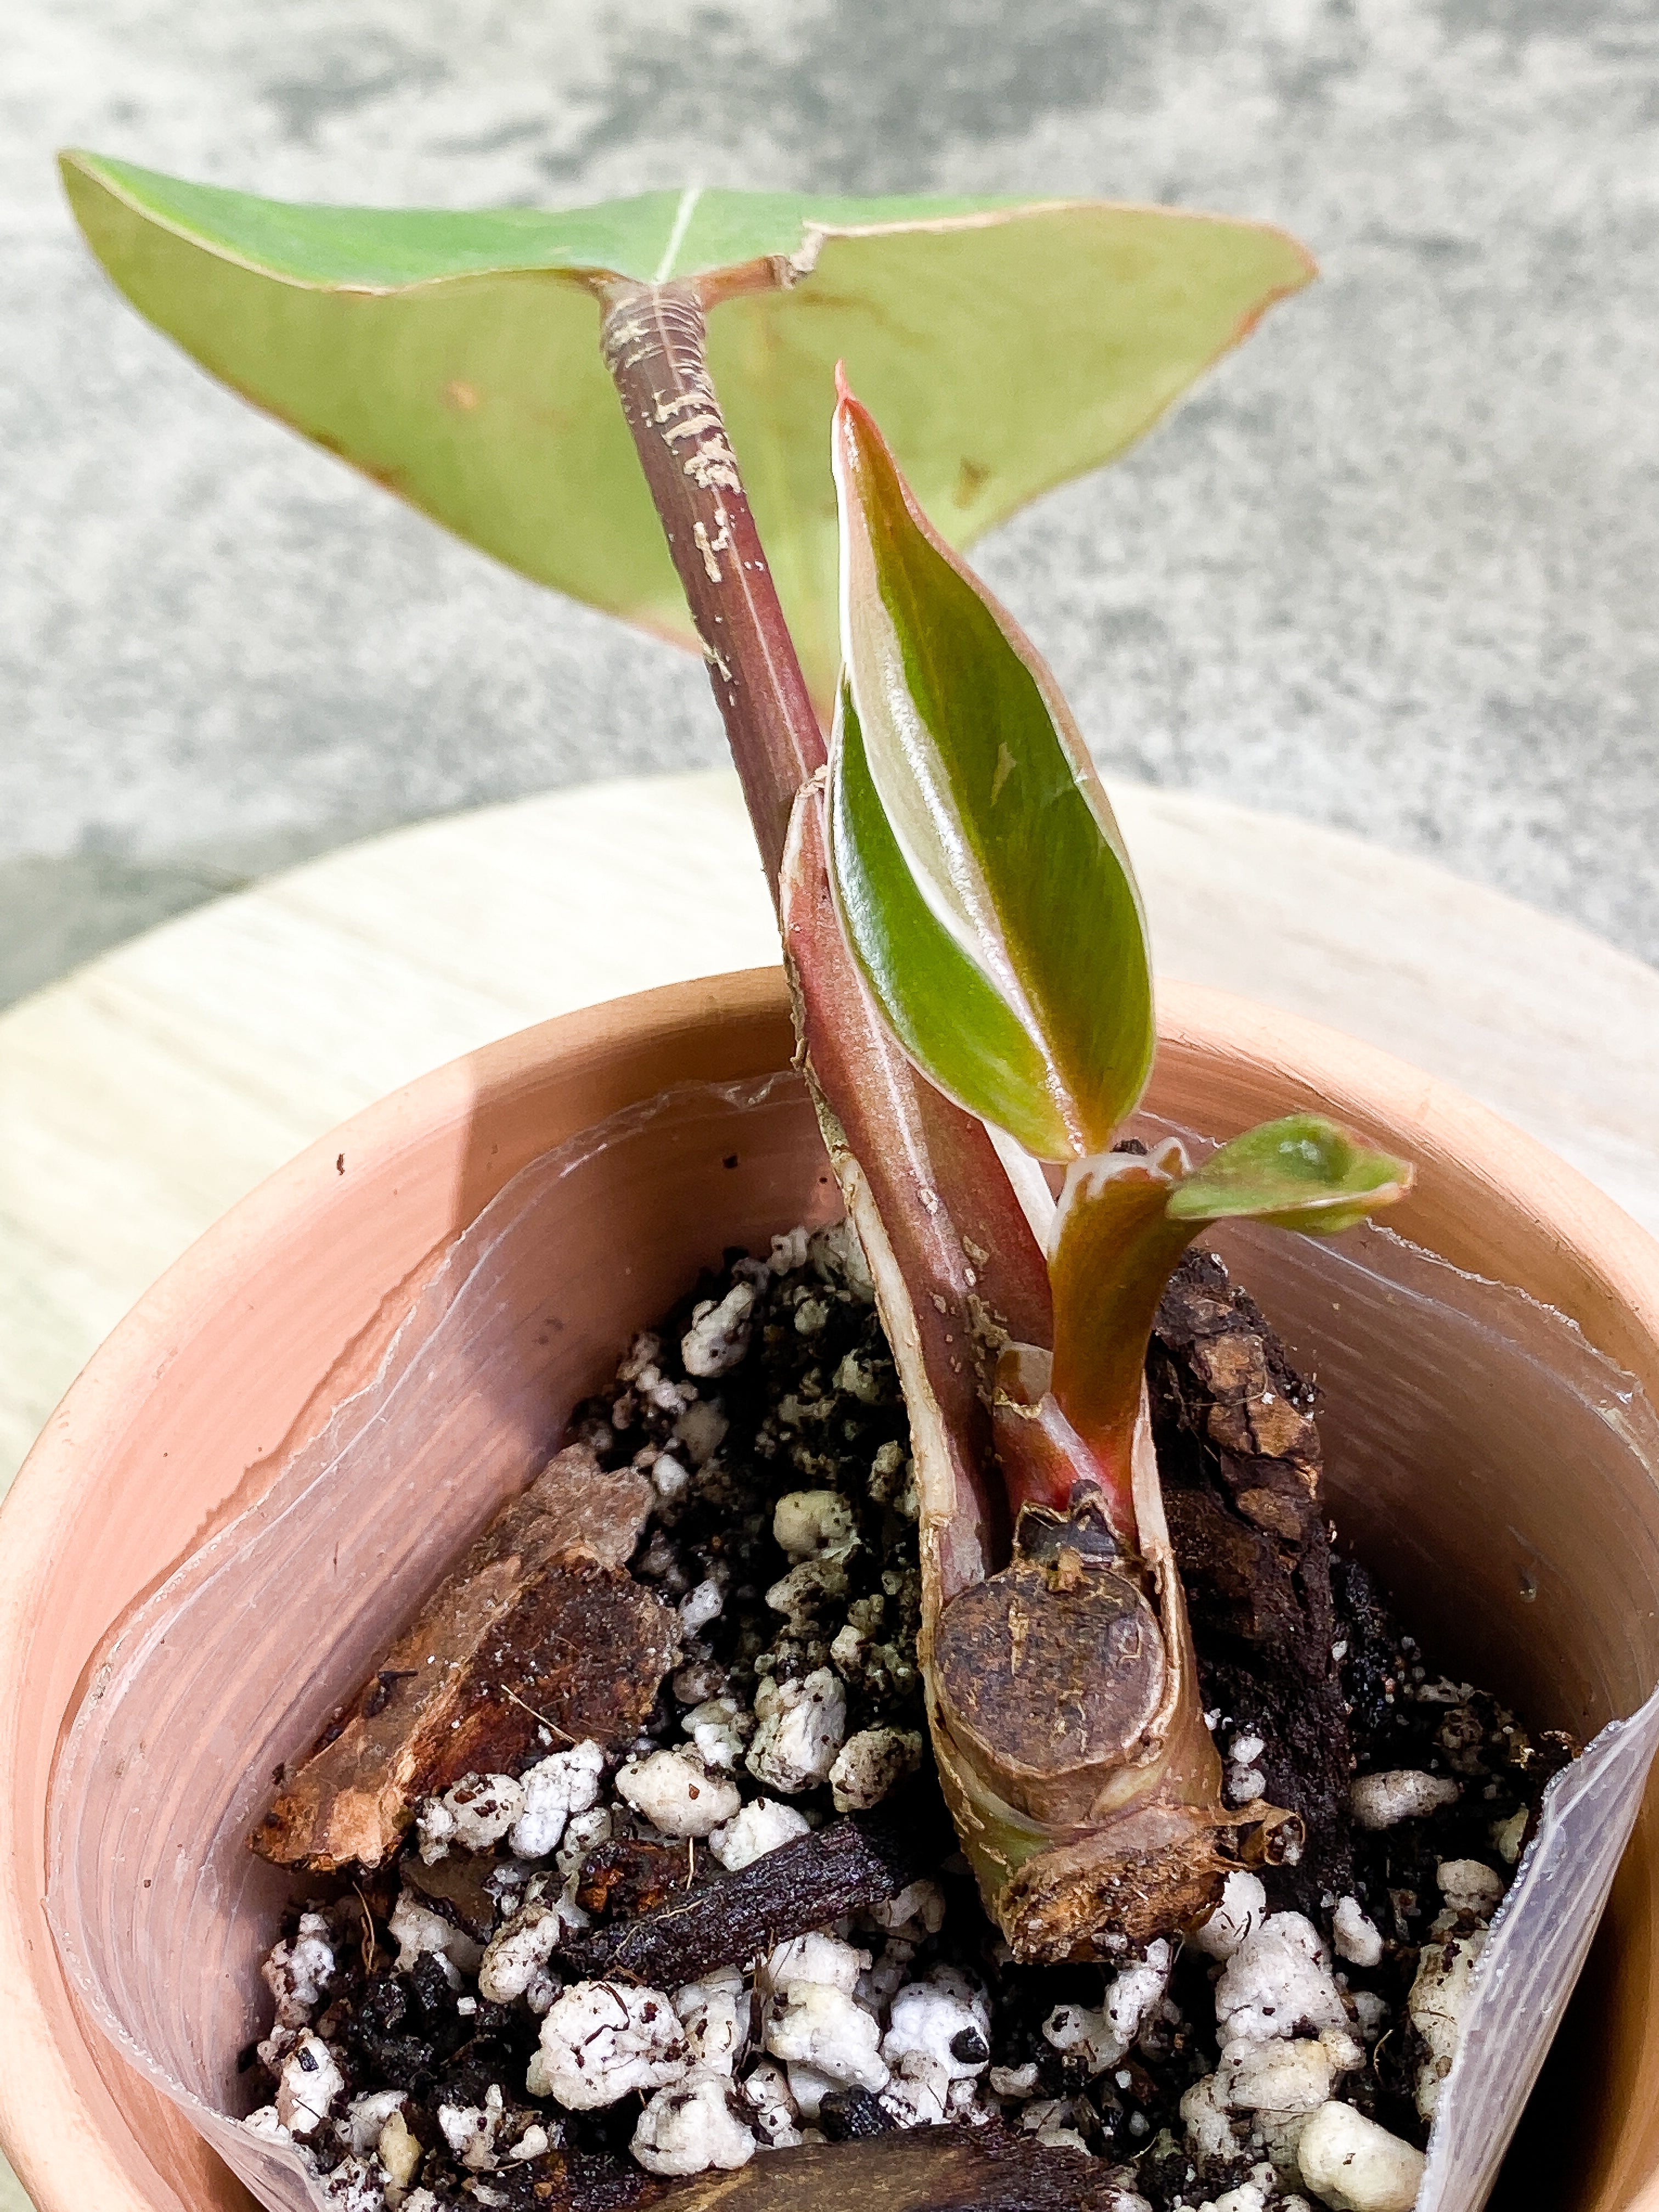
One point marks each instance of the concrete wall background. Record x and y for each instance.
(1392, 569)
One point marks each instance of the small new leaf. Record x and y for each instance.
(1302, 1173)
(967, 821)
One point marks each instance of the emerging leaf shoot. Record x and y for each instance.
(984, 883)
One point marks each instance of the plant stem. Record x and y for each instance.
(655, 349)
(920, 1178)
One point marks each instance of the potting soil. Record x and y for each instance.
(570, 1991)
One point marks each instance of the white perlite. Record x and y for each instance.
(815, 1957)
(366, 2116)
(553, 1789)
(715, 2014)
(1209, 2131)
(1383, 1800)
(1355, 1933)
(701, 1605)
(469, 2130)
(517, 1952)
(761, 1826)
(824, 2028)
(416, 1931)
(309, 2083)
(690, 2127)
(917, 1911)
(1017, 2083)
(583, 1832)
(1439, 2000)
(945, 2019)
(719, 1335)
(799, 1728)
(1466, 1885)
(1278, 1984)
(808, 2088)
(805, 1522)
(1245, 1784)
(353, 2187)
(1288, 2077)
(1132, 1993)
(869, 1764)
(1243, 1907)
(789, 1251)
(719, 1728)
(766, 2092)
(668, 1478)
(1249, 2196)
(601, 2041)
(1102, 2037)
(297, 1973)
(1353, 2166)
(918, 2095)
(677, 1794)
(475, 1813)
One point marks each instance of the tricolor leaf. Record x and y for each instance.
(982, 1053)
(981, 877)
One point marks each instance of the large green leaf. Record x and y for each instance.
(986, 815)
(454, 357)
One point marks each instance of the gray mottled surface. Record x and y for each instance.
(1392, 569)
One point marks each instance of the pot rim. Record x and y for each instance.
(1599, 1267)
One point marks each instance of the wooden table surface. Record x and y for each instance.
(144, 1095)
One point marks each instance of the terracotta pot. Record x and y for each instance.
(240, 1352)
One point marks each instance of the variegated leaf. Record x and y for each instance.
(971, 830)
(1302, 1172)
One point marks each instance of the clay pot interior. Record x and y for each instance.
(240, 1657)
(1542, 1583)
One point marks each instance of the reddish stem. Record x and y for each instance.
(1115, 1251)
(655, 349)
(958, 1235)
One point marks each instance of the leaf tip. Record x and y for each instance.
(855, 425)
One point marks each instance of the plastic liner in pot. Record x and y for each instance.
(1497, 1472)
(1501, 1477)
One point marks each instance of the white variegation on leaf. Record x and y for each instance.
(980, 873)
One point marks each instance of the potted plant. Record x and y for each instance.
(967, 968)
